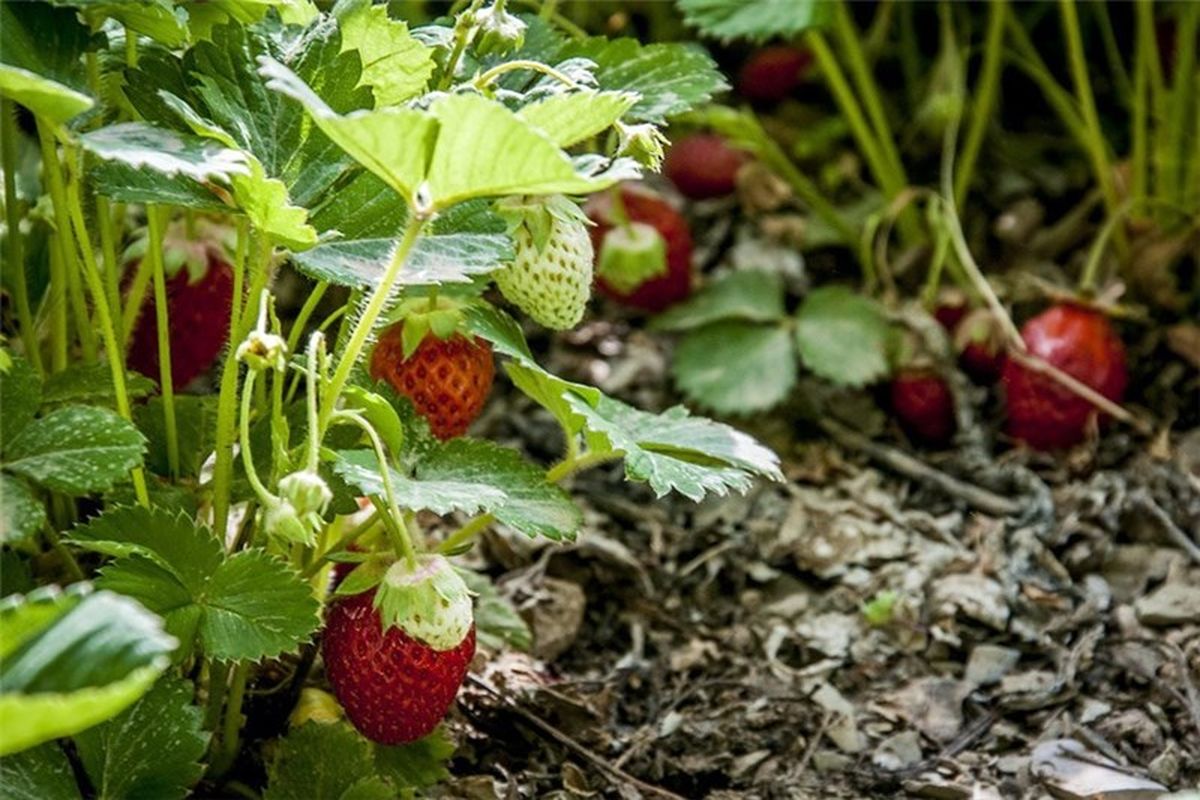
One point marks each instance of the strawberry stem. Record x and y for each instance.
(985, 97)
(166, 381)
(12, 242)
(400, 538)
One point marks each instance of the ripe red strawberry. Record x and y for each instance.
(199, 304)
(923, 405)
(1079, 341)
(703, 166)
(448, 380)
(641, 205)
(772, 73)
(394, 688)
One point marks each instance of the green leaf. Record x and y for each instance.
(40, 773)
(843, 336)
(757, 20)
(675, 451)
(736, 367)
(76, 450)
(20, 397)
(671, 78)
(195, 421)
(361, 469)
(570, 118)
(21, 512)
(92, 384)
(325, 762)
(498, 626)
(464, 146)
(750, 295)
(417, 765)
(71, 660)
(531, 505)
(266, 203)
(144, 147)
(41, 48)
(246, 606)
(151, 750)
(156, 19)
(395, 65)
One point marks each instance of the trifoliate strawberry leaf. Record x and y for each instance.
(246, 606)
(670, 78)
(498, 626)
(395, 65)
(674, 451)
(570, 118)
(152, 749)
(41, 67)
(39, 773)
(325, 762)
(756, 20)
(76, 450)
(92, 384)
(72, 660)
(531, 505)
(159, 20)
(363, 222)
(736, 367)
(22, 514)
(20, 397)
(146, 148)
(464, 146)
(749, 295)
(265, 202)
(843, 336)
(361, 469)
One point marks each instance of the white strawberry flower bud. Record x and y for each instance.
(499, 32)
(643, 143)
(306, 491)
(262, 350)
(282, 521)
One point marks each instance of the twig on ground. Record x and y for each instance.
(910, 467)
(614, 773)
(1143, 499)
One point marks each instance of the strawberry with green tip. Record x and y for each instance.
(551, 277)
(397, 654)
(626, 208)
(447, 374)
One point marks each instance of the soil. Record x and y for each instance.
(851, 633)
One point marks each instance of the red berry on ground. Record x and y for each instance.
(923, 405)
(394, 688)
(198, 312)
(980, 344)
(703, 166)
(447, 380)
(1079, 341)
(644, 206)
(773, 73)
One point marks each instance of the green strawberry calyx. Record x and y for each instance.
(538, 215)
(427, 599)
(630, 255)
(428, 316)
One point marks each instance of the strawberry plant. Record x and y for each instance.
(168, 541)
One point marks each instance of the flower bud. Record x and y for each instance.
(261, 351)
(282, 522)
(306, 491)
(499, 32)
(643, 143)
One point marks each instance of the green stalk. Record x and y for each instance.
(233, 720)
(849, 38)
(1096, 146)
(1030, 62)
(985, 98)
(12, 242)
(1139, 122)
(401, 541)
(890, 182)
(218, 682)
(1182, 96)
(166, 381)
(910, 57)
(134, 299)
(222, 482)
(72, 293)
(1112, 52)
(570, 466)
(108, 252)
(342, 543)
(466, 533)
(55, 305)
(366, 322)
(261, 491)
(306, 311)
(108, 329)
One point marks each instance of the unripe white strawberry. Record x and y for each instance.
(551, 277)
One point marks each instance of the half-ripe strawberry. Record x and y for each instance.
(551, 277)
(923, 405)
(979, 341)
(772, 73)
(448, 380)
(199, 291)
(1079, 341)
(397, 655)
(639, 204)
(703, 166)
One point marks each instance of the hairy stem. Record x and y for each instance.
(12, 242)
(166, 381)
